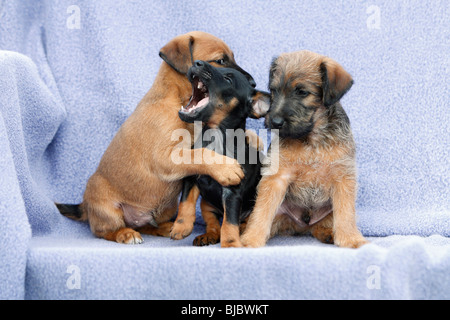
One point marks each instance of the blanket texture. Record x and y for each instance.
(71, 72)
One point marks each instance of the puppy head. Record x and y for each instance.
(220, 94)
(303, 85)
(182, 51)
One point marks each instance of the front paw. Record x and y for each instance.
(206, 239)
(228, 174)
(231, 243)
(350, 241)
(252, 242)
(129, 236)
(181, 230)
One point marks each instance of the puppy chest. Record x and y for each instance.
(306, 203)
(307, 195)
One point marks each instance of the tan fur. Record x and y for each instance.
(136, 169)
(184, 224)
(314, 170)
(252, 138)
(212, 235)
(229, 234)
(221, 113)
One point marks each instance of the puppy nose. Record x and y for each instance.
(252, 82)
(277, 122)
(199, 63)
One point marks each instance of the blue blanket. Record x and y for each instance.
(71, 72)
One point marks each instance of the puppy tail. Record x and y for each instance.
(73, 212)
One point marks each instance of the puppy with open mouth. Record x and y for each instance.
(135, 189)
(222, 99)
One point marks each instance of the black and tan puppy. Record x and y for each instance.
(313, 186)
(136, 187)
(222, 100)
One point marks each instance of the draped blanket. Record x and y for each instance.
(71, 72)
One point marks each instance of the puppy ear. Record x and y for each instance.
(273, 69)
(336, 82)
(260, 102)
(178, 53)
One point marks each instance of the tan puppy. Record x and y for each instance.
(314, 188)
(136, 186)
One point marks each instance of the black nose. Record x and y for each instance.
(199, 63)
(252, 83)
(277, 122)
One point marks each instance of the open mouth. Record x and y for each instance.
(199, 99)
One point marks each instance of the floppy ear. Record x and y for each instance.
(178, 53)
(260, 102)
(336, 82)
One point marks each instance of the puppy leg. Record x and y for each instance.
(323, 230)
(346, 233)
(102, 207)
(163, 230)
(212, 235)
(283, 225)
(271, 192)
(106, 221)
(243, 226)
(229, 233)
(164, 227)
(226, 171)
(124, 235)
(184, 224)
(252, 139)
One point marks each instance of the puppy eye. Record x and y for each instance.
(301, 92)
(221, 62)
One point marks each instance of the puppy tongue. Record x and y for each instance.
(202, 103)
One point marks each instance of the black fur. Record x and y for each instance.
(224, 86)
(70, 211)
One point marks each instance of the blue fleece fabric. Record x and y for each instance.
(71, 72)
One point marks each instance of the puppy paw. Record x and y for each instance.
(163, 229)
(231, 243)
(206, 239)
(228, 174)
(181, 230)
(129, 236)
(324, 235)
(250, 242)
(353, 241)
